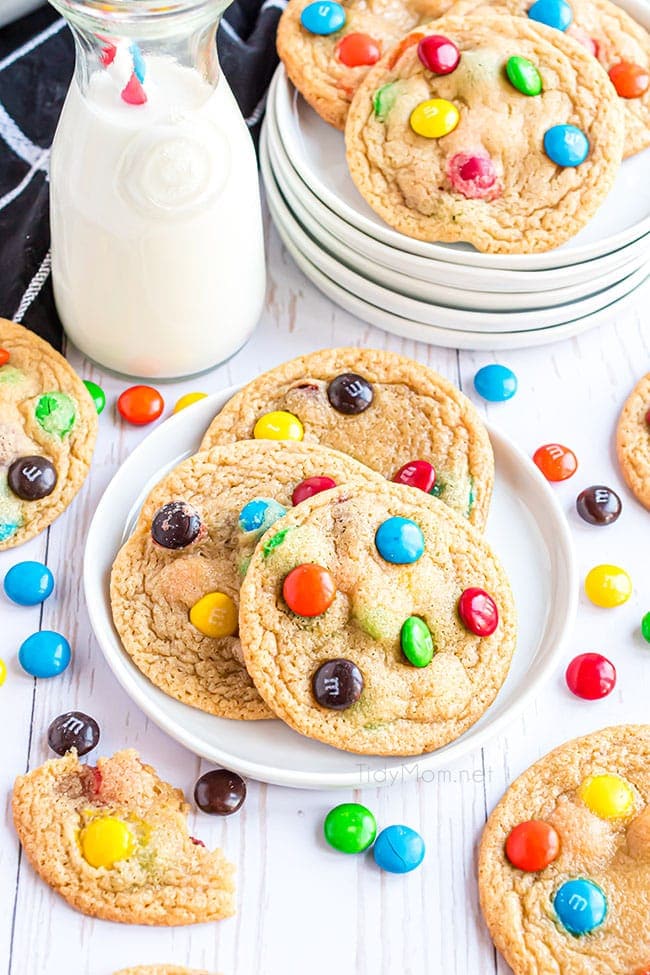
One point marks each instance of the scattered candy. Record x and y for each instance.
(44, 654)
(176, 525)
(337, 684)
(28, 583)
(259, 514)
(73, 730)
(629, 79)
(434, 118)
(418, 474)
(133, 93)
(398, 849)
(438, 54)
(278, 425)
(591, 676)
(3, 672)
(495, 383)
(106, 841)
(32, 478)
(139, 64)
(220, 792)
(608, 586)
(474, 176)
(553, 13)
(416, 642)
(607, 796)
(350, 394)
(187, 400)
(532, 845)
(645, 627)
(478, 612)
(384, 99)
(4, 357)
(399, 541)
(323, 17)
(598, 505)
(56, 413)
(350, 828)
(580, 905)
(215, 615)
(140, 405)
(566, 145)
(97, 393)
(309, 590)
(523, 75)
(354, 50)
(311, 486)
(557, 463)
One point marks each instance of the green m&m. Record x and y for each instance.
(523, 75)
(417, 642)
(97, 393)
(56, 413)
(384, 99)
(645, 627)
(350, 828)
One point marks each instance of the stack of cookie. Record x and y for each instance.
(321, 560)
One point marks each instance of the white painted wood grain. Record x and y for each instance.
(300, 906)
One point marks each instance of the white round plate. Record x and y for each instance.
(317, 152)
(526, 525)
(430, 314)
(429, 291)
(430, 270)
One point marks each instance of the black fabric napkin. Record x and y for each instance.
(36, 64)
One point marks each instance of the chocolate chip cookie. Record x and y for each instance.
(633, 441)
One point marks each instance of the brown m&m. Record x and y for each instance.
(74, 729)
(220, 792)
(337, 684)
(32, 478)
(176, 525)
(598, 505)
(349, 393)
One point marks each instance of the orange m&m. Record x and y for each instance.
(404, 45)
(309, 590)
(557, 463)
(532, 845)
(4, 357)
(354, 50)
(140, 405)
(629, 79)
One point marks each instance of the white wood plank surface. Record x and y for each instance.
(300, 906)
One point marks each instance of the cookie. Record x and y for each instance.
(327, 68)
(399, 411)
(468, 155)
(355, 620)
(48, 427)
(155, 591)
(113, 841)
(160, 970)
(576, 826)
(633, 441)
(621, 45)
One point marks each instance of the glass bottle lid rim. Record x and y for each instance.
(117, 11)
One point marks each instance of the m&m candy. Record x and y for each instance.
(438, 54)
(278, 425)
(523, 75)
(474, 176)
(220, 792)
(259, 514)
(418, 474)
(337, 684)
(187, 400)
(354, 50)
(416, 642)
(32, 478)
(4, 357)
(645, 627)
(133, 93)
(434, 118)
(557, 463)
(553, 13)
(399, 849)
(532, 845)
(591, 676)
(384, 99)
(309, 590)
(3, 672)
(629, 79)
(478, 612)
(105, 841)
(214, 615)
(608, 586)
(350, 828)
(495, 383)
(97, 393)
(323, 17)
(176, 525)
(608, 796)
(580, 905)
(566, 145)
(73, 730)
(598, 505)
(28, 583)
(44, 654)
(350, 393)
(140, 405)
(399, 540)
(56, 413)
(311, 486)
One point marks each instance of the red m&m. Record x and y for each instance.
(140, 405)
(4, 357)
(629, 79)
(556, 462)
(311, 486)
(591, 676)
(417, 473)
(355, 50)
(438, 53)
(532, 845)
(478, 611)
(309, 590)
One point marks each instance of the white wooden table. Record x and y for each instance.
(301, 907)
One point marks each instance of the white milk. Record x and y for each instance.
(157, 246)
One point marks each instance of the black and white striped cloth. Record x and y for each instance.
(36, 63)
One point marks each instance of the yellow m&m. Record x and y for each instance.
(214, 615)
(607, 796)
(608, 585)
(278, 425)
(187, 400)
(3, 672)
(105, 841)
(434, 118)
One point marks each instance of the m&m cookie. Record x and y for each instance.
(512, 150)
(391, 413)
(377, 620)
(564, 862)
(48, 427)
(633, 441)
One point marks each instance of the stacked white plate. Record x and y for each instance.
(446, 294)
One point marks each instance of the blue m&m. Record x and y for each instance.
(399, 849)
(28, 583)
(323, 17)
(259, 514)
(566, 145)
(580, 905)
(553, 13)
(399, 540)
(495, 383)
(45, 654)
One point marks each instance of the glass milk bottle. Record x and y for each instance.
(157, 244)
